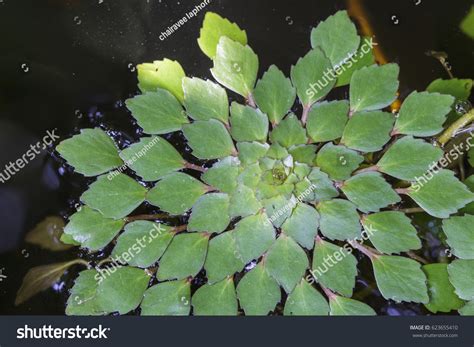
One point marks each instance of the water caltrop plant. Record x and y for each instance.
(276, 210)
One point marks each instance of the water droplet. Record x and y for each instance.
(343, 160)
(77, 20)
(25, 67)
(118, 104)
(131, 67)
(462, 107)
(289, 20)
(395, 19)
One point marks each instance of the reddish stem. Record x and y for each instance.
(194, 167)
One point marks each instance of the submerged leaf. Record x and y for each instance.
(47, 234)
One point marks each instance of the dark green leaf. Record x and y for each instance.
(326, 120)
(216, 299)
(167, 299)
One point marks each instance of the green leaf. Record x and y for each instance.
(391, 232)
(254, 235)
(223, 258)
(368, 131)
(274, 94)
(167, 299)
(91, 153)
(370, 192)
(114, 198)
(158, 112)
(223, 175)
(83, 298)
(205, 145)
(286, 262)
(152, 158)
(302, 225)
(338, 161)
(341, 306)
(248, 123)
(235, 66)
(469, 182)
(461, 275)
(305, 301)
(441, 292)
(289, 132)
(176, 193)
(216, 299)
(400, 279)
(327, 120)
(258, 293)
(459, 88)
(467, 24)
(205, 100)
(373, 87)
(409, 158)
(210, 213)
(325, 189)
(460, 233)
(142, 243)
(339, 219)
(334, 267)
(423, 114)
(441, 195)
(184, 257)
(309, 76)
(363, 57)
(468, 309)
(337, 37)
(250, 176)
(165, 74)
(122, 290)
(278, 209)
(303, 153)
(243, 202)
(251, 152)
(47, 234)
(213, 27)
(91, 229)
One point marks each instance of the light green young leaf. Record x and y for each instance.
(243, 202)
(459, 88)
(327, 120)
(337, 37)
(409, 158)
(460, 233)
(363, 57)
(235, 66)
(339, 219)
(278, 208)
(91, 153)
(309, 76)
(216, 299)
(275, 94)
(251, 152)
(391, 232)
(114, 198)
(165, 74)
(334, 267)
(468, 309)
(167, 299)
(223, 258)
(368, 131)
(122, 290)
(286, 262)
(258, 293)
(461, 275)
(400, 279)
(205, 100)
(341, 306)
(441, 195)
(142, 243)
(204, 146)
(289, 132)
(467, 24)
(91, 229)
(302, 225)
(373, 87)
(323, 186)
(210, 213)
(303, 154)
(305, 301)
(441, 291)
(423, 114)
(176, 193)
(369, 192)
(254, 235)
(248, 123)
(213, 27)
(152, 158)
(157, 112)
(223, 175)
(184, 257)
(83, 298)
(338, 161)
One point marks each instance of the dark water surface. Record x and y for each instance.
(66, 65)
